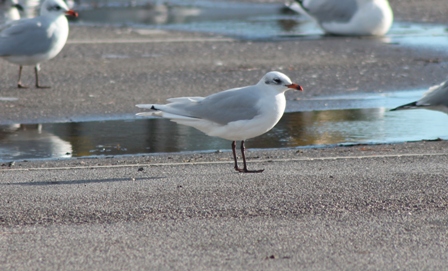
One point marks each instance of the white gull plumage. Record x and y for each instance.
(348, 17)
(234, 114)
(33, 41)
(436, 98)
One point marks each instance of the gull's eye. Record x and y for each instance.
(55, 7)
(277, 81)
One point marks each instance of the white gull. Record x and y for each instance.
(348, 17)
(234, 114)
(33, 41)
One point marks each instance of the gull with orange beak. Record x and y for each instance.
(29, 42)
(234, 114)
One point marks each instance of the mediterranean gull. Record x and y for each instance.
(348, 17)
(234, 114)
(33, 41)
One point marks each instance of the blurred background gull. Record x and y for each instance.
(9, 11)
(348, 17)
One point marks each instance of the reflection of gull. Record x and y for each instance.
(9, 10)
(348, 17)
(182, 14)
(436, 98)
(234, 114)
(147, 14)
(158, 14)
(30, 141)
(163, 13)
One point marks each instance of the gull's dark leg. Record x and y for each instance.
(36, 71)
(243, 149)
(19, 84)
(234, 156)
(244, 169)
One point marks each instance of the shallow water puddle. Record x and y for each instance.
(230, 18)
(298, 129)
(237, 19)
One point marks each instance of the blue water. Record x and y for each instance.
(139, 136)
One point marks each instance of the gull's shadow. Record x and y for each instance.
(87, 181)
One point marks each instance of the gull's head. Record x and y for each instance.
(56, 8)
(278, 81)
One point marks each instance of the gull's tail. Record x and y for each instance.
(412, 105)
(164, 111)
(154, 110)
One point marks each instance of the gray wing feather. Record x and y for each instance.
(231, 105)
(25, 37)
(222, 107)
(332, 10)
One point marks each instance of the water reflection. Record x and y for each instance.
(232, 18)
(238, 19)
(159, 135)
(148, 14)
(189, 15)
(25, 141)
(249, 20)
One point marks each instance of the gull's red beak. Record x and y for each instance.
(72, 13)
(295, 86)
